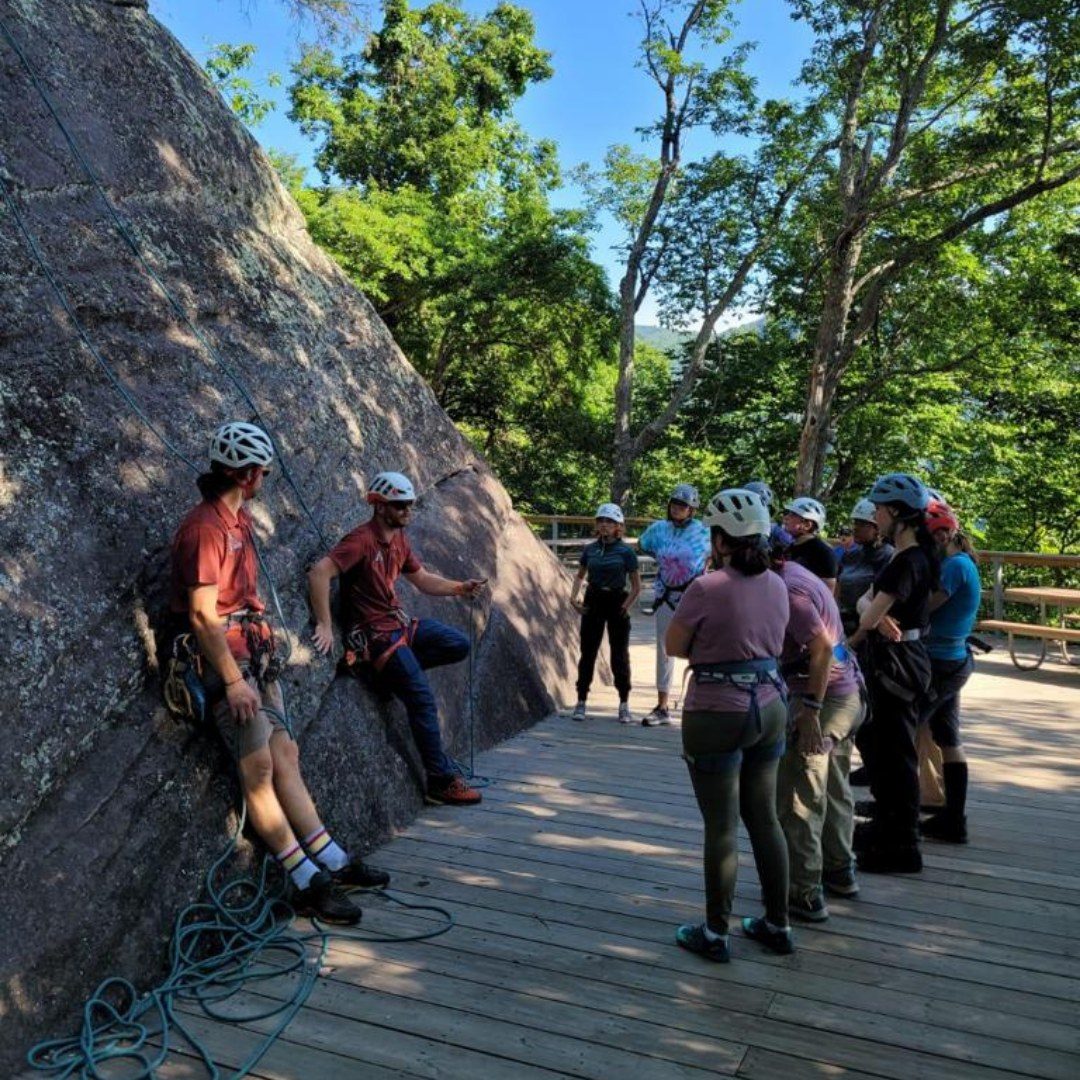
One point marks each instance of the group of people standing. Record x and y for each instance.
(796, 653)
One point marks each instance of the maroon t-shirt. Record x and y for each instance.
(214, 546)
(370, 568)
(732, 617)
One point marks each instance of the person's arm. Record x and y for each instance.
(319, 578)
(808, 714)
(635, 591)
(243, 701)
(435, 585)
(678, 639)
(878, 609)
(579, 577)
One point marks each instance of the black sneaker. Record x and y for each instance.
(810, 907)
(890, 860)
(778, 941)
(865, 836)
(358, 875)
(865, 808)
(324, 900)
(840, 882)
(946, 828)
(691, 936)
(859, 777)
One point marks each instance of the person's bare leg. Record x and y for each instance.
(291, 791)
(268, 817)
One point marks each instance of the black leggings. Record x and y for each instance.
(604, 609)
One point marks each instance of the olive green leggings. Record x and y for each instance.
(733, 760)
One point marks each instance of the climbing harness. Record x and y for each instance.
(746, 675)
(362, 646)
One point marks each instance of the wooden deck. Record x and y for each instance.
(567, 884)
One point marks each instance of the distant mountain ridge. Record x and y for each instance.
(660, 337)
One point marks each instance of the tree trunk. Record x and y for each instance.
(831, 353)
(622, 470)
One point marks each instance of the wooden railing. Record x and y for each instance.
(550, 528)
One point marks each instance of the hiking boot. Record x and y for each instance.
(865, 835)
(890, 860)
(947, 828)
(452, 791)
(840, 882)
(691, 936)
(657, 718)
(778, 940)
(859, 777)
(625, 715)
(810, 907)
(579, 711)
(324, 900)
(865, 808)
(358, 875)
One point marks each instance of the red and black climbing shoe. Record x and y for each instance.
(451, 792)
(323, 899)
(358, 875)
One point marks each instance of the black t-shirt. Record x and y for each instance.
(607, 565)
(909, 578)
(859, 566)
(816, 556)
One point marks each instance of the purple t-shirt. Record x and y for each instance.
(813, 609)
(732, 617)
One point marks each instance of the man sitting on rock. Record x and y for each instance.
(381, 641)
(214, 594)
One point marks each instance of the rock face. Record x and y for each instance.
(110, 812)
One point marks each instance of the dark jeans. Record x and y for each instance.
(435, 644)
(604, 610)
(733, 771)
(943, 714)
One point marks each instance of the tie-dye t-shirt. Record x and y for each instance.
(680, 553)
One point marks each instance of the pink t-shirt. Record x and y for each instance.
(732, 617)
(813, 609)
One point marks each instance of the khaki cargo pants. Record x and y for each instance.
(813, 797)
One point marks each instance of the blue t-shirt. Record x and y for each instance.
(680, 553)
(607, 565)
(952, 622)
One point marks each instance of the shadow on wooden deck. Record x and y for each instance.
(567, 884)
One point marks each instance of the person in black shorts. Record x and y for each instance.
(609, 566)
(804, 519)
(893, 623)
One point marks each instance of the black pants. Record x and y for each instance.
(604, 609)
(898, 693)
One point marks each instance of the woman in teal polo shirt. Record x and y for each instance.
(609, 568)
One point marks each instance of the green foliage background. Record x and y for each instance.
(439, 206)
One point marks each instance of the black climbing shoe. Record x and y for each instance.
(946, 828)
(778, 940)
(324, 900)
(358, 875)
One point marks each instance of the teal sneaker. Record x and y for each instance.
(692, 938)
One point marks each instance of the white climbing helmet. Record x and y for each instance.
(738, 512)
(807, 508)
(238, 445)
(391, 487)
(863, 510)
(686, 493)
(612, 511)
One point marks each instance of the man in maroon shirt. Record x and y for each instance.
(214, 595)
(380, 636)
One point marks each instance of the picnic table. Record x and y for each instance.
(1063, 600)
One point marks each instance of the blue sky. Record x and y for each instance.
(597, 96)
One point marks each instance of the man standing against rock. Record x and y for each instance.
(380, 639)
(214, 595)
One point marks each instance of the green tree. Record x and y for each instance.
(437, 204)
(227, 66)
(949, 115)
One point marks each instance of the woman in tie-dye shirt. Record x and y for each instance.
(680, 546)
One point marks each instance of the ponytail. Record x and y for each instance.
(749, 555)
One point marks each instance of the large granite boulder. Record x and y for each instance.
(109, 810)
